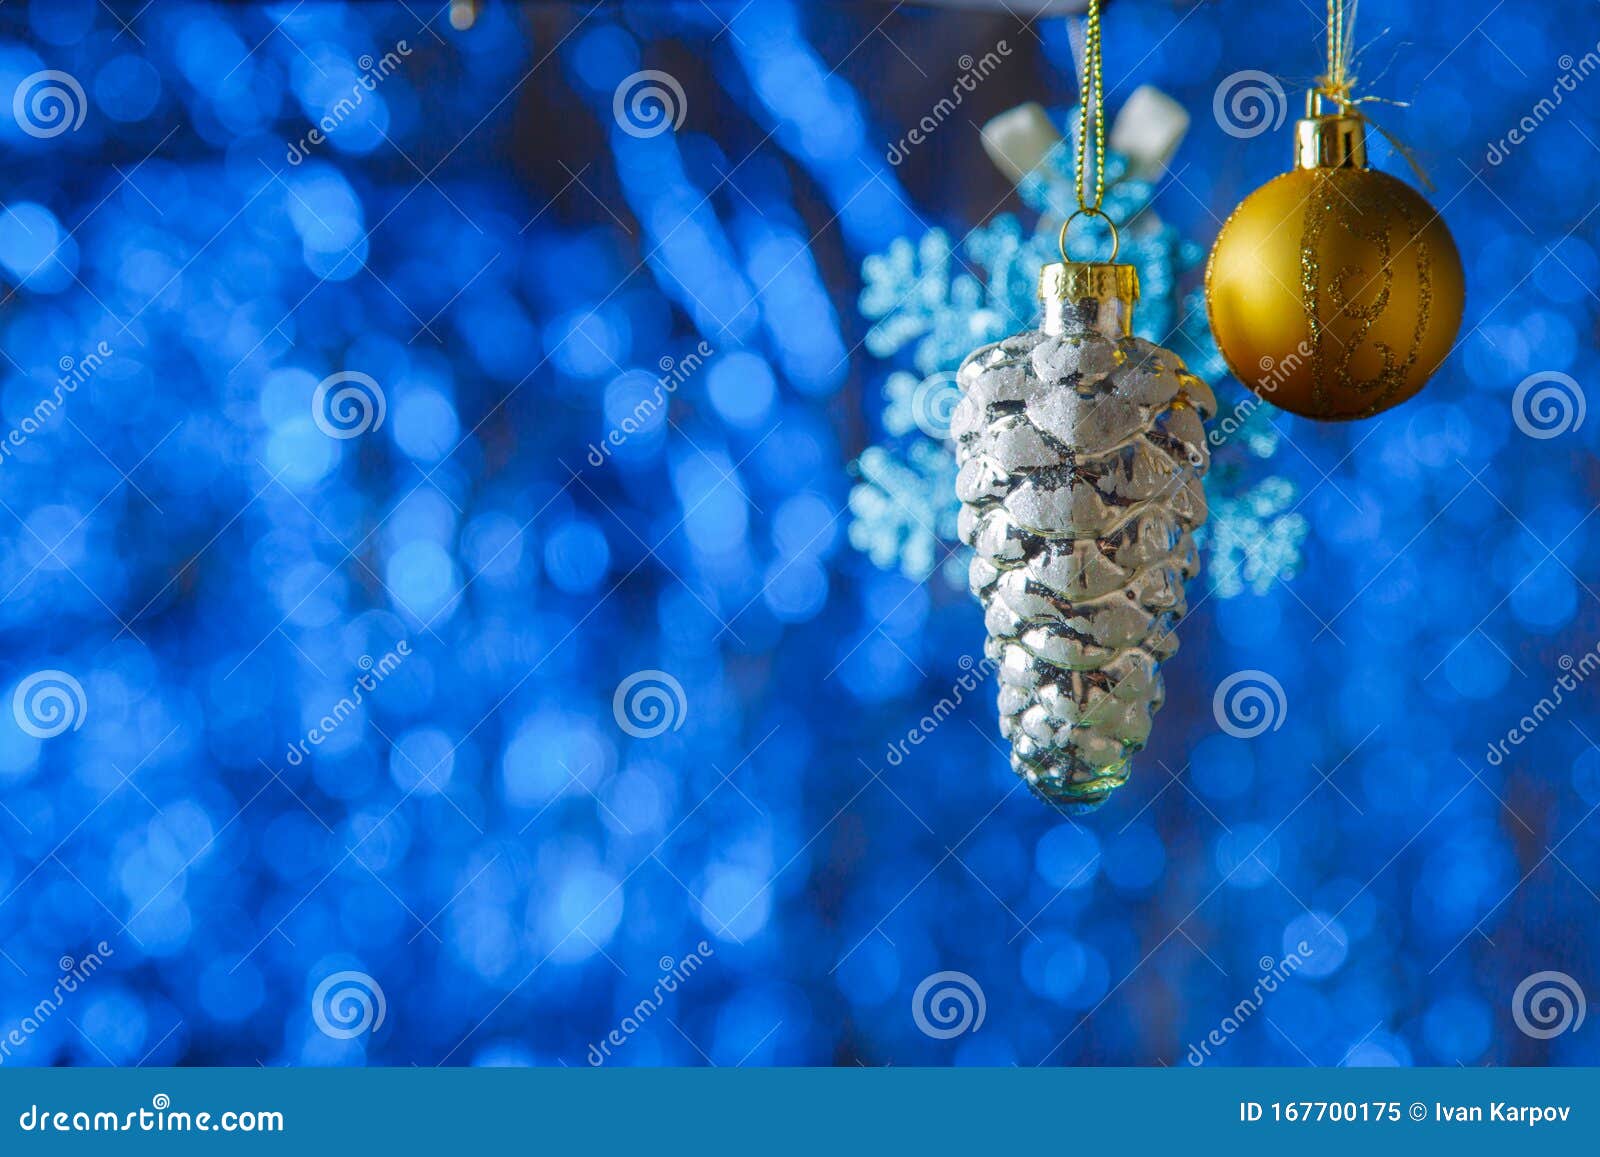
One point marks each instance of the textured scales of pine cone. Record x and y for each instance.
(1081, 458)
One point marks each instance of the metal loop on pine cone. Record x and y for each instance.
(1081, 458)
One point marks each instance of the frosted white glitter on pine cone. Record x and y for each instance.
(1081, 455)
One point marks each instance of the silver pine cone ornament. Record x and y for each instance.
(1081, 450)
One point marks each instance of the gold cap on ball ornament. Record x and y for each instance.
(1335, 290)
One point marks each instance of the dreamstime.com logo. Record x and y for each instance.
(973, 73)
(47, 703)
(1274, 372)
(948, 1004)
(1249, 703)
(933, 404)
(74, 974)
(648, 103)
(1249, 103)
(160, 1117)
(648, 703)
(1548, 1004)
(74, 373)
(1548, 404)
(49, 103)
(973, 676)
(674, 372)
(348, 404)
(348, 1004)
(1573, 73)
(373, 673)
(674, 974)
(1576, 672)
(373, 73)
(1274, 974)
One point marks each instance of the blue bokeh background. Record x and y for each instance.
(480, 838)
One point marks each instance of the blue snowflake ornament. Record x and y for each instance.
(1254, 538)
(902, 516)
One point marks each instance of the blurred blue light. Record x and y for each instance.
(63, 22)
(422, 578)
(127, 88)
(1326, 944)
(34, 250)
(742, 388)
(425, 425)
(576, 557)
(1069, 856)
(795, 591)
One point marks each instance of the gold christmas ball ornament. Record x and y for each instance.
(1334, 291)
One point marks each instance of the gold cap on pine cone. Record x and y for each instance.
(1065, 286)
(1077, 280)
(1335, 290)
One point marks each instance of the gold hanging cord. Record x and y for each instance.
(1338, 84)
(1091, 106)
